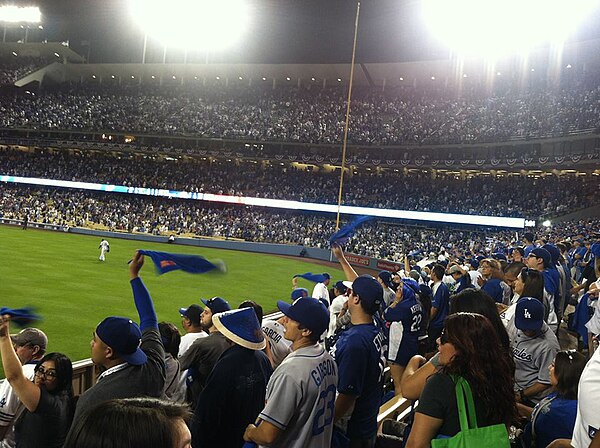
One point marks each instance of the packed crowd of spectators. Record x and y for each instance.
(516, 196)
(402, 116)
(379, 239)
(486, 320)
(13, 68)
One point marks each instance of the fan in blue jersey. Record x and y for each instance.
(404, 317)
(360, 355)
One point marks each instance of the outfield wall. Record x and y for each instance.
(245, 246)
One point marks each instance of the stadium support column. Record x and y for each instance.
(383, 85)
(324, 82)
(274, 83)
(299, 82)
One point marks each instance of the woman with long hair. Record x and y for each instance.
(471, 349)
(48, 400)
(530, 283)
(554, 417)
(469, 300)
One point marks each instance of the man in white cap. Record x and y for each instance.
(235, 390)
(302, 390)
(30, 346)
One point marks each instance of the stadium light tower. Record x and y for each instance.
(493, 28)
(203, 25)
(17, 16)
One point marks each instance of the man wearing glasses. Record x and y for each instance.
(30, 345)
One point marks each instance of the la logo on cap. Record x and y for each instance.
(526, 314)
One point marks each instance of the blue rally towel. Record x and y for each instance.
(582, 317)
(342, 236)
(194, 264)
(22, 317)
(317, 278)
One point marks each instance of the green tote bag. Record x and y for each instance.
(470, 435)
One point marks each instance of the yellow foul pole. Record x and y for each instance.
(337, 221)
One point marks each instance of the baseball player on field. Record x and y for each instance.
(301, 392)
(104, 248)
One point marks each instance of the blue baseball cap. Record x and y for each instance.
(386, 278)
(529, 314)
(217, 304)
(370, 292)
(554, 252)
(299, 292)
(124, 336)
(307, 311)
(341, 286)
(540, 252)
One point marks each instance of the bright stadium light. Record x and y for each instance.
(16, 14)
(205, 25)
(496, 28)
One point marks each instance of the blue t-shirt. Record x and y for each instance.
(441, 301)
(555, 420)
(360, 354)
(494, 289)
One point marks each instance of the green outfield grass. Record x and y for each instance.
(60, 275)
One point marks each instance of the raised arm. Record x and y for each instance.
(348, 270)
(141, 296)
(28, 392)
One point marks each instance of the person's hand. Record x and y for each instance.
(480, 281)
(416, 362)
(5, 326)
(294, 282)
(337, 251)
(136, 264)
(249, 428)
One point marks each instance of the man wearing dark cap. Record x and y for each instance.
(360, 354)
(203, 354)
(385, 280)
(541, 260)
(190, 321)
(133, 358)
(534, 347)
(235, 389)
(30, 345)
(301, 391)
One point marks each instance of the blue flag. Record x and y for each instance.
(22, 317)
(342, 236)
(194, 264)
(317, 278)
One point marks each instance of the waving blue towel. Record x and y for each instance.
(194, 264)
(342, 236)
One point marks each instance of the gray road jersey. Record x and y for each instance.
(301, 397)
(532, 358)
(280, 346)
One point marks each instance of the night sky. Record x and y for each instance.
(281, 31)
